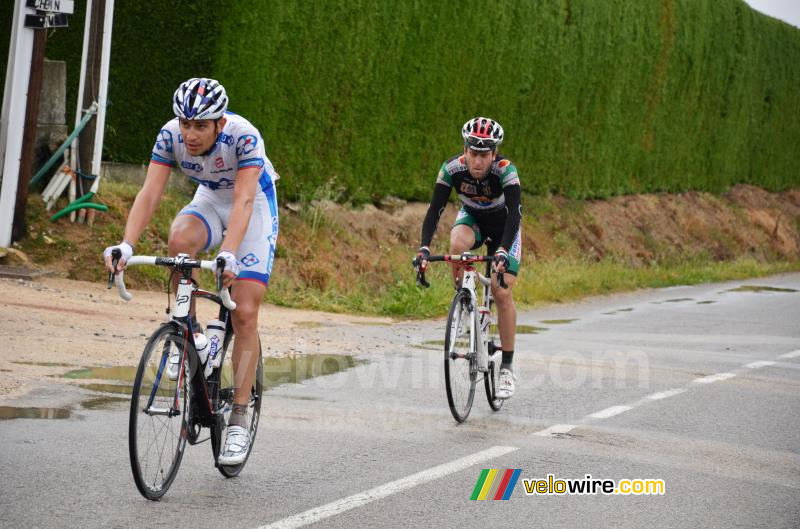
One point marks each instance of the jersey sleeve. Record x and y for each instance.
(509, 175)
(249, 148)
(444, 177)
(164, 149)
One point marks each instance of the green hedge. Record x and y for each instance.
(358, 99)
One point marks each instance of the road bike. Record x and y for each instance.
(165, 414)
(471, 349)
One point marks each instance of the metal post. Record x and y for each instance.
(12, 121)
(73, 158)
(105, 63)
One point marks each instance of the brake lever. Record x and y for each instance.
(421, 282)
(116, 255)
(220, 269)
(501, 281)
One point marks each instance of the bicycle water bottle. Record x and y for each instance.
(215, 331)
(201, 346)
(483, 352)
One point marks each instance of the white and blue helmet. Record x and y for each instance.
(200, 98)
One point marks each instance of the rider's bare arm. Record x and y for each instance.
(244, 192)
(147, 200)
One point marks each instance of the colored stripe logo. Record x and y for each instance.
(496, 484)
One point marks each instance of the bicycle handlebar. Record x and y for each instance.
(462, 259)
(185, 262)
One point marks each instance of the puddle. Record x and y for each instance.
(277, 371)
(705, 302)
(123, 373)
(117, 389)
(309, 324)
(43, 364)
(558, 322)
(371, 323)
(439, 343)
(628, 309)
(103, 403)
(12, 412)
(678, 300)
(295, 369)
(759, 288)
(530, 329)
(299, 397)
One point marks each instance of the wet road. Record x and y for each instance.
(696, 386)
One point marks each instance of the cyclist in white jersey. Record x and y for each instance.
(234, 208)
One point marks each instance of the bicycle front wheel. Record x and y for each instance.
(460, 359)
(227, 386)
(492, 376)
(157, 425)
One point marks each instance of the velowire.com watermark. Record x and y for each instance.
(499, 484)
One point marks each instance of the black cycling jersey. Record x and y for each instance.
(494, 198)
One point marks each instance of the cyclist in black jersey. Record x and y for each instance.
(488, 186)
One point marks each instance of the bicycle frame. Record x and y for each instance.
(471, 277)
(204, 392)
(470, 317)
(482, 319)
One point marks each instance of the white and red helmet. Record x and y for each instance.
(200, 98)
(482, 134)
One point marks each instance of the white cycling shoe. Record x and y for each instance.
(506, 384)
(237, 444)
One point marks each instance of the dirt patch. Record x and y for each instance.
(646, 228)
(47, 330)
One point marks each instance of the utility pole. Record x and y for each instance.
(29, 136)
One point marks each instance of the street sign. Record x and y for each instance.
(54, 20)
(57, 6)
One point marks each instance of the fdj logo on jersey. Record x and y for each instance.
(246, 144)
(196, 167)
(250, 260)
(164, 141)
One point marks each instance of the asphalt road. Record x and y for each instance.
(696, 386)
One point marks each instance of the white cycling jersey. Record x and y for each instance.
(239, 145)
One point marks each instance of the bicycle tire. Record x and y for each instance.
(155, 470)
(460, 388)
(492, 376)
(224, 404)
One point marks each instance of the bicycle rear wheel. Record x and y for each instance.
(157, 425)
(460, 361)
(225, 406)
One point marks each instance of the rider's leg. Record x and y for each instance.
(506, 325)
(506, 314)
(462, 238)
(188, 234)
(247, 294)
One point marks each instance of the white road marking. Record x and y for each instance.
(357, 500)
(609, 412)
(666, 394)
(756, 365)
(710, 379)
(793, 354)
(556, 429)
